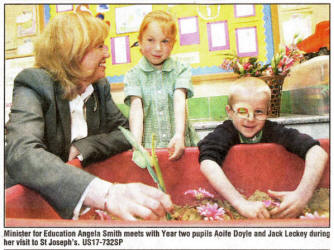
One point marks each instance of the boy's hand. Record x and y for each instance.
(253, 210)
(292, 204)
(176, 147)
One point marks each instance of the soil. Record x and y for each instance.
(319, 203)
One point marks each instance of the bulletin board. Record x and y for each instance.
(198, 41)
(22, 24)
(13, 67)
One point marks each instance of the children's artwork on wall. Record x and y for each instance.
(190, 57)
(203, 55)
(188, 30)
(26, 23)
(102, 8)
(246, 41)
(25, 46)
(303, 29)
(128, 19)
(244, 10)
(210, 12)
(13, 67)
(64, 7)
(100, 15)
(218, 36)
(120, 50)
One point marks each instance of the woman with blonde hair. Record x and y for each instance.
(62, 109)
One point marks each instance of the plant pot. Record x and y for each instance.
(253, 167)
(275, 83)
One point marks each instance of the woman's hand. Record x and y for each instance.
(74, 152)
(137, 200)
(292, 204)
(176, 147)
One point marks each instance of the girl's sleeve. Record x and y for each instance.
(131, 86)
(183, 80)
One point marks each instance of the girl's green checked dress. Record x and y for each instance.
(156, 89)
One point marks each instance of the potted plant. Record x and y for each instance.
(273, 73)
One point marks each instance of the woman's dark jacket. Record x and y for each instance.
(38, 138)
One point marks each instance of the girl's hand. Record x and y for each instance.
(292, 204)
(176, 147)
(253, 209)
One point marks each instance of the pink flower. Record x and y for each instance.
(247, 66)
(199, 194)
(289, 62)
(269, 203)
(211, 211)
(315, 215)
(102, 214)
(227, 65)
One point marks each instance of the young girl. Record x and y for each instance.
(157, 87)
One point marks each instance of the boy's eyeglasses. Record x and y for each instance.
(243, 113)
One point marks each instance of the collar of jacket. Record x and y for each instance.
(63, 105)
(64, 112)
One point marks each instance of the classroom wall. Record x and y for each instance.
(202, 60)
(306, 15)
(211, 83)
(209, 92)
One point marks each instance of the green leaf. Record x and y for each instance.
(252, 60)
(156, 166)
(142, 159)
(264, 67)
(299, 40)
(144, 154)
(277, 59)
(139, 159)
(241, 68)
(129, 136)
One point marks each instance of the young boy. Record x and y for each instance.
(247, 108)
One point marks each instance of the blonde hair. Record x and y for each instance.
(63, 43)
(166, 21)
(253, 85)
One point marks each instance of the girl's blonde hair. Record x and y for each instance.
(166, 21)
(63, 43)
(253, 85)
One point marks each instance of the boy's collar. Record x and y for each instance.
(255, 139)
(145, 65)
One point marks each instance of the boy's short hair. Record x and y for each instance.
(252, 85)
(166, 21)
